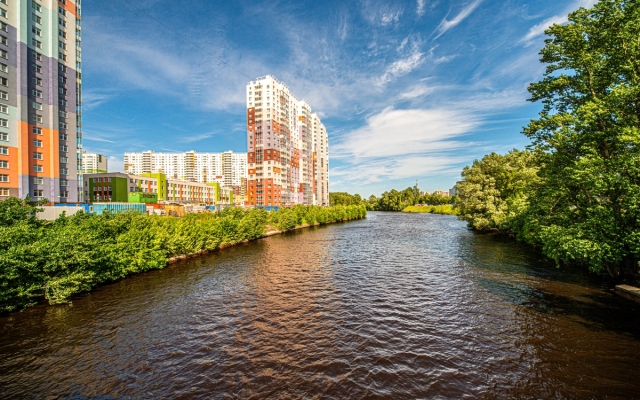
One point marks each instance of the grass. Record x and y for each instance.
(446, 209)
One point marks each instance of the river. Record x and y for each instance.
(397, 306)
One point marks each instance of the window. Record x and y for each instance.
(64, 171)
(64, 182)
(3, 26)
(63, 160)
(4, 67)
(37, 118)
(37, 143)
(62, 34)
(37, 192)
(36, 43)
(36, 31)
(63, 114)
(62, 45)
(64, 194)
(4, 123)
(4, 192)
(64, 148)
(3, 13)
(62, 68)
(37, 155)
(37, 68)
(62, 11)
(36, 6)
(4, 81)
(37, 81)
(63, 125)
(3, 54)
(37, 93)
(36, 56)
(62, 22)
(63, 57)
(4, 137)
(3, 40)
(63, 102)
(4, 95)
(38, 181)
(37, 168)
(63, 136)
(37, 106)
(4, 109)
(36, 130)
(4, 151)
(4, 164)
(4, 178)
(62, 91)
(36, 19)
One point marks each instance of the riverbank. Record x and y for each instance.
(446, 209)
(52, 261)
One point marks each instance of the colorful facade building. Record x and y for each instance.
(150, 188)
(283, 140)
(40, 99)
(94, 163)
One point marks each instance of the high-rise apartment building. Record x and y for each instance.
(94, 163)
(228, 168)
(288, 156)
(40, 99)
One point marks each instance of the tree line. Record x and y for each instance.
(55, 260)
(392, 200)
(574, 192)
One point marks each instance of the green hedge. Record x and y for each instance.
(55, 260)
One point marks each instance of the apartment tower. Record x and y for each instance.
(283, 139)
(40, 100)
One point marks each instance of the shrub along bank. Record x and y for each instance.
(446, 209)
(55, 260)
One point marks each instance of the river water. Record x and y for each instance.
(396, 306)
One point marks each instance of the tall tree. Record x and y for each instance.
(588, 138)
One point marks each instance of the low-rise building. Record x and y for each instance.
(145, 188)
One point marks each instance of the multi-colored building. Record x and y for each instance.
(40, 99)
(94, 163)
(152, 188)
(288, 156)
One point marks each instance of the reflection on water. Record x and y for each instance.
(395, 306)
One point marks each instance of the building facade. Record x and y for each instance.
(283, 139)
(40, 99)
(94, 163)
(228, 168)
(122, 188)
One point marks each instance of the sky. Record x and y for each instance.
(408, 90)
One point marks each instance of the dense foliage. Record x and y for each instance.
(74, 254)
(392, 200)
(583, 204)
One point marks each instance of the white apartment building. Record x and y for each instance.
(228, 168)
(94, 163)
(284, 139)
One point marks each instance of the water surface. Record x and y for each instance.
(396, 306)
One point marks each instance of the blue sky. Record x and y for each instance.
(408, 90)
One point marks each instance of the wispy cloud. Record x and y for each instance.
(420, 8)
(115, 164)
(197, 138)
(538, 30)
(445, 25)
(404, 65)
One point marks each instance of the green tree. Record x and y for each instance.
(493, 192)
(588, 140)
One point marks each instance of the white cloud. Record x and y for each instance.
(445, 25)
(417, 91)
(538, 30)
(402, 132)
(402, 66)
(421, 7)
